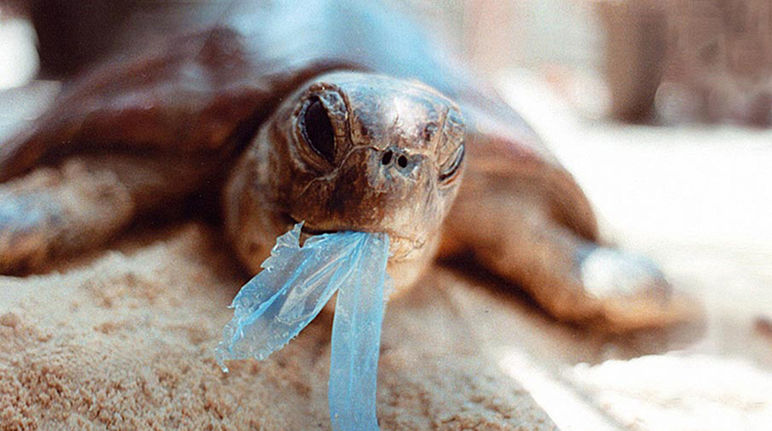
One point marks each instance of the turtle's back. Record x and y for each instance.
(200, 93)
(197, 92)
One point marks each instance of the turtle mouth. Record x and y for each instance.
(306, 229)
(311, 231)
(401, 248)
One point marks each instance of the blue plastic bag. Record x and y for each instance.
(293, 287)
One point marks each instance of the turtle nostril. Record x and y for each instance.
(386, 159)
(402, 161)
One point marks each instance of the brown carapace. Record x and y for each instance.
(339, 114)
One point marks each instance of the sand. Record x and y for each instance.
(124, 338)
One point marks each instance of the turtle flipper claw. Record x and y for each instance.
(630, 290)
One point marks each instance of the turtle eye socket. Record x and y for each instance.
(449, 170)
(317, 129)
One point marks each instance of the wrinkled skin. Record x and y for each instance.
(287, 115)
(395, 166)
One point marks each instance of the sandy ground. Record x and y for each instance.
(124, 337)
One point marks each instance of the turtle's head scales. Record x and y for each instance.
(351, 151)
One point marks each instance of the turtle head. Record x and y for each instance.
(355, 151)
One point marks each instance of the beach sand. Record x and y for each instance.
(124, 338)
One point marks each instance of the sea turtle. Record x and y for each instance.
(335, 113)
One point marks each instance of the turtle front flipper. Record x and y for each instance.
(58, 211)
(536, 228)
(142, 132)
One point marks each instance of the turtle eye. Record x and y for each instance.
(317, 130)
(449, 170)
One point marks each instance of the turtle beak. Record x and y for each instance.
(400, 247)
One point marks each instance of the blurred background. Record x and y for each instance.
(650, 61)
(660, 108)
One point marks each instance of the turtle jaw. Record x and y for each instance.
(401, 248)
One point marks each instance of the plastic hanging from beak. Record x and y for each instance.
(293, 287)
